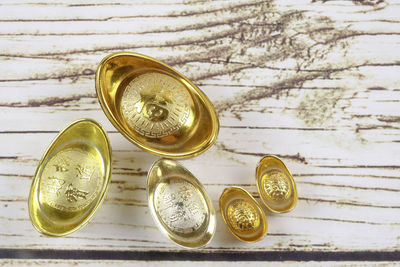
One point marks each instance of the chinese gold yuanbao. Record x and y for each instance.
(71, 179)
(276, 185)
(180, 205)
(154, 106)
(242, 214)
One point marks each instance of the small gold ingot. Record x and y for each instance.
(242, 214)
(180, 205)
(154, 106)
(276, 185)
(71, 179)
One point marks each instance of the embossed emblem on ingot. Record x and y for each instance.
(243, 216)
(59, 185)
(155, 105)
(276, 185)
(180, 206)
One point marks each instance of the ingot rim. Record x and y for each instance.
(199, 185)
(293, 182)
(111, 117)
(36, 179)
(256, 204)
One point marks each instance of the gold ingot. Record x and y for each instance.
(180, 205)
(71, 179)
(276, 185)
(154, 106)
(242, 214)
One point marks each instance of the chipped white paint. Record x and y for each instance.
(315, 83)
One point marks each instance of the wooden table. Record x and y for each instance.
(314, 82)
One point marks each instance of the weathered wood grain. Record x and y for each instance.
(315, 82)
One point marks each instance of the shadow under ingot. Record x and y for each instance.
(242, 214)
(276, 185)
(180, 205)
(154, 106)
(71, 179)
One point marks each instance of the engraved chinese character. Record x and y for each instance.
(61, 164)
(178, 215)
(193, 207)
(54, 184)
(169, 201)
(185, 193)
(85, 171)
(73, 193)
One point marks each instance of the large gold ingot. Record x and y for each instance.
(71, 179)
(155, 107)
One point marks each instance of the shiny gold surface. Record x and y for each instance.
(71, 179)
(276, 185)
(179, 204)
(242, 214)
(154, 106)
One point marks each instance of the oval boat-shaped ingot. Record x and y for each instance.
(71, 179)
(276, 185)
(154, 106)
(180, 205)
(242, 214)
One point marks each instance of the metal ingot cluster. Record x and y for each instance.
(71, 179)
(159, 110)
(162, 112)
(241, 212)
(155, 107)
(180, 205)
